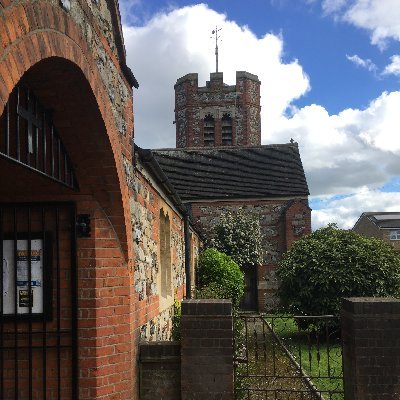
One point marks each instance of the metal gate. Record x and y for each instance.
(38, 320)
(288, 358)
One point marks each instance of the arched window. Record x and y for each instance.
(27, 136)
(165, 255)
(226, 131)
(209, 130)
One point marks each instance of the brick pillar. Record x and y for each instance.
(207, 350)
(160, 371)
(371, 348)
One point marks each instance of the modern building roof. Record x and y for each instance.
(383, 220)
(233, 172)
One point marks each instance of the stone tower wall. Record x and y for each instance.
(241, 102)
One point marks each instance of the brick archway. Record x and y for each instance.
(43, 48)
(35, 47)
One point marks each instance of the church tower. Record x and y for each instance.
(218, 114)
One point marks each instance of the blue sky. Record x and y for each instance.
(330, 73)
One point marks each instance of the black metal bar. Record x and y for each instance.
(7, 129)
(299, 350)
(273, 347)
(55, 179)
(247, 343)
(44, 324)
(74, 305)
(30, 300)
(264, 348)
(2, 306)
(58, 277)
(29, 113)
(15, 307)
(71, 174)
(65, 167)
(284, 376)
(39, 347)
(44, 144)
(17, 138)
(39, 332)
(59, 157)
(28, 127)
(318, 354)
(52, 149)
(37, 147)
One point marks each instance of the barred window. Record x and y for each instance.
(226, 123)
(209, 130)
(28, 137)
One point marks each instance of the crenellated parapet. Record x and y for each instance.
(218, 114)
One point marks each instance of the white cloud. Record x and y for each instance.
(343, 153)
(363, 63)
(380, 17)
(346, 211)
(173, 44)
(333, 6)
(130, 10)
(394, 67)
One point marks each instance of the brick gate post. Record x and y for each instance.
(371, 348)
(207, 350)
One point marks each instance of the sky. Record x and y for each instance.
(330, 80)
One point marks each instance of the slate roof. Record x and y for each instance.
(233, 172)
(383, 220)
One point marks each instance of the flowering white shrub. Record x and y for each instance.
(238, 234)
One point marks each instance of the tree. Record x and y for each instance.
(238, 234)
(332, 263)
(219, 277)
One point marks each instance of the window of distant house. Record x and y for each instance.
(165, 255)
(209, 130)
(226, 123)
(394, 235)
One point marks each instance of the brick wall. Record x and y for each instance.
(198, 367)
(207, 350)
(69, 54)
(371, 348)
(160, 371)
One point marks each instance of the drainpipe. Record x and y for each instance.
(187, 256)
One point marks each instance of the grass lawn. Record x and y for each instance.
(318, 354)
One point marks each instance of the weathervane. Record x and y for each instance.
(217, 37)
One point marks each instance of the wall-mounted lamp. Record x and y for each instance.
(82, 225)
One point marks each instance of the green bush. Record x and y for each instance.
(332, 263)
(219, 277)
(176, 321)
(238, 234)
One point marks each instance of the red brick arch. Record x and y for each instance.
(35, 31)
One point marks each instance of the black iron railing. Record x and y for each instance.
(28, 137)
(38, 306)
(288, 357)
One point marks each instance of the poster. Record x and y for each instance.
(17, 293)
